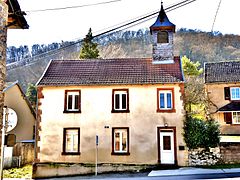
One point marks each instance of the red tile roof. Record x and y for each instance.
(110, 71)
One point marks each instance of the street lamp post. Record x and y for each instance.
(3, 139)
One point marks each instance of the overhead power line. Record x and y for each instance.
(128, 24)
(216, 15)
(168, 9)
(72, 7)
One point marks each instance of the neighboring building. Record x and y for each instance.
(11, 18)
(19, 137)
(133, 105)
(16, 100)
(222, 83)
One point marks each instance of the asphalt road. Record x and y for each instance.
(143, 176)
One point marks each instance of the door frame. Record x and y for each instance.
(167, 129)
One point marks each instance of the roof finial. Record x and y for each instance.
(161, 4)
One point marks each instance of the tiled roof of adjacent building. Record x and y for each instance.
(110, 71)
(221, 72)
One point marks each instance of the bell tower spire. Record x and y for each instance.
(162, 33)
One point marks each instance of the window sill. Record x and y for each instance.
(120, 111)
(71, 153)
(166, 111)
(120, 154)
(66, 111)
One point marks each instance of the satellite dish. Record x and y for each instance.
(10, 117)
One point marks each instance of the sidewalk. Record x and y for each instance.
(192, 171)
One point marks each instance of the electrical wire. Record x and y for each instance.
(216, 15)
(71, 7)
(128, 24)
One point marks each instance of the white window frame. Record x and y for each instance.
(73, 93)
(233, 93)
(120, 93)
(121, 132)
(165, 92)
(236, 117)
(73, 133)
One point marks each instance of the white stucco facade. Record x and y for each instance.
(96, 118)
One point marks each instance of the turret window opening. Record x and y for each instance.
(162, 37)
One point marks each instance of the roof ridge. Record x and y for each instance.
(108, 59)
(226, 61)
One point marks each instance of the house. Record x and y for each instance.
(16, 19)
(16, 100)
(20, 126)
(222, 84)
(121, 114)
(11, 18)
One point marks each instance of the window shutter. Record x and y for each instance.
(228, 117)
(76, 106)
(65, 101)
(227, 93)
(70, 99)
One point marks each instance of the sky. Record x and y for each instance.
(71, 24)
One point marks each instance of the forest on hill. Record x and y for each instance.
(26, 64)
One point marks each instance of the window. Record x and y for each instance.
(235, 93)
(71, 141)
(162, 37)
(236, 117)
(72, 101)
(120, 100)
(165, 100)
(120, 140)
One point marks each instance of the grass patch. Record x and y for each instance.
(222, 166)
(24, 172)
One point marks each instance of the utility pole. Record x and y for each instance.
(3, 47)
(5, 120)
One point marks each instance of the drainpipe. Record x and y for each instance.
(35, 130)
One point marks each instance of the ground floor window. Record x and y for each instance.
(71, 141)
(120, 140)
(236, 117)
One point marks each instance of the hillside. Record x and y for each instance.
(27, 66)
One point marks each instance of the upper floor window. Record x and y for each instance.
(165, 100)
(232, 93)
(72, 101)
(235, 93)
(71, 141)
(120, 100)
(162, 37)
(120, 140)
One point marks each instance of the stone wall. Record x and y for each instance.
(230, 152)
(3, 47)
(46, 170)
(201, 157)
(162, 51)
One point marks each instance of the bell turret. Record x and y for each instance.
(162, 32)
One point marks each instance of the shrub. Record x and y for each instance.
(201, 133)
